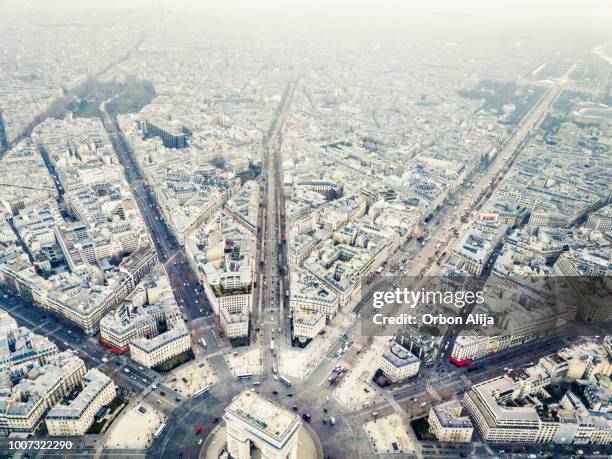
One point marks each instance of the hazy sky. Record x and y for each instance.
(551, 9)
(564, 20)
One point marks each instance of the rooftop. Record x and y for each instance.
(265, 416)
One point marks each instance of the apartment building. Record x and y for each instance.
(137, 265)
(473, 251)
(307, 324)
(419, 344)
(343, 268)
(173, 135)
(222, 254)
(76, 298)
(397, 363)
(76, 415)
(601, 220)
(447, 423)
(19, 346)
(155, 351)
(504, 412)
(467, 347)
(7, 323)
(119, 328)
(40, 387)
(234, 324)
(299, 247)
(310, 294)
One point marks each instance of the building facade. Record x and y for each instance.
(77, 416)
(447, 424)
(397, 363)
(157, 350)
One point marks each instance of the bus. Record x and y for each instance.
(285, 381)
(159, 430)
(203, 390)
(245, 376)
(202, 342)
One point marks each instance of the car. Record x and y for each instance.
(162, 393)
(158, 402)
(178, 399)
(275, 392)
(200, 441)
